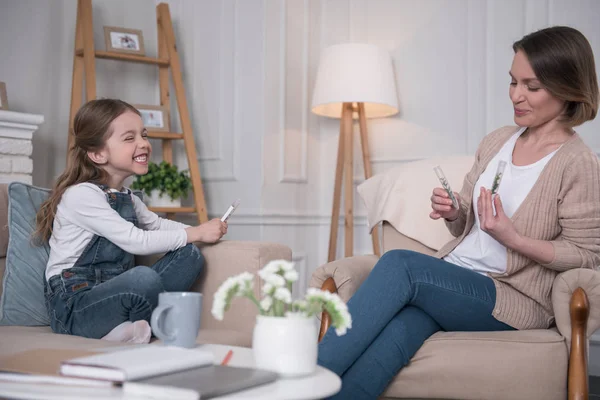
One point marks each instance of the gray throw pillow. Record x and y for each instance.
(22, 301)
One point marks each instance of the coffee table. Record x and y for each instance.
(322, 383)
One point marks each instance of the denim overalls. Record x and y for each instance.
(104, 287)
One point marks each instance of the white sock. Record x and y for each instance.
(130, 332)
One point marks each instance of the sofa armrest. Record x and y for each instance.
(347, 273)
(563, 289)
(575, 297)
(229, 258)
(343, 277)
(223, 260)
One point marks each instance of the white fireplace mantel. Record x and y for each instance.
(19, 125)
(16, 132)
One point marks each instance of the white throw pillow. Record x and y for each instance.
(401, 196)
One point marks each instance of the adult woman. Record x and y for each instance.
(497, 273)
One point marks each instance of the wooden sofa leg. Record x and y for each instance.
(328, 285)
(578, 375)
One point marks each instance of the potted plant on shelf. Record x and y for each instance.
(285, 335)
(164, 184)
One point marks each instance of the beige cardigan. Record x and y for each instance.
(563, 207)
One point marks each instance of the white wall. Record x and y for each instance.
(451, 62)
(249, 67)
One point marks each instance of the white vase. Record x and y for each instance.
(287, 345)
(165, 201)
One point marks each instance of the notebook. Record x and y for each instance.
(48, 386)
(208, 382)
(136, 363)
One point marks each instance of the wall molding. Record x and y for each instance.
(284, 176)
(179, 14)
(476, 52)
(231, 177)
(528, 6)
(299, 287)
(222, 45)
(489, 37)
(230, 174)
(286, 219)
(390, 160)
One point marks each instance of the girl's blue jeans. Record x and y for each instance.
(104, 288)
(407, 298)
(90, 302)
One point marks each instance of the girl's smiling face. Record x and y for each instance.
(127, 150)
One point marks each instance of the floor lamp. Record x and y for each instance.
(354, 81)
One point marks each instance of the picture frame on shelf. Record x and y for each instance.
(3, 97)
(155, 118)
(124, 40)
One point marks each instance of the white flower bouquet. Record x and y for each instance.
(278, 277)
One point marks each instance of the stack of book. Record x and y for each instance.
(150, 372)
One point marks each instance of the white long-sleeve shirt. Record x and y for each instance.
(83, 212)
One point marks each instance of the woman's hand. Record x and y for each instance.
(498, 226)
(208, 232)
(442, 205)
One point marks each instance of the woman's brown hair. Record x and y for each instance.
(563, 61)
(91, 129)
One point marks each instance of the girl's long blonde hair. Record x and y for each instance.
(91, 129)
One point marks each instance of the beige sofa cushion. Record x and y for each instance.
(477, 365)
(392, 239)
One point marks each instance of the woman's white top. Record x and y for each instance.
(479, 251)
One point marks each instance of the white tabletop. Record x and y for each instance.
(322, 383)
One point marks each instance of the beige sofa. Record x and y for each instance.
(515, 365)
(223, 260)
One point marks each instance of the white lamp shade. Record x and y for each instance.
(353, 72)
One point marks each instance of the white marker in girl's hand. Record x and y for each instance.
(230, 210)
(446, 185)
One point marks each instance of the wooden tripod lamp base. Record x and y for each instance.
(344, 168)
(352, 78)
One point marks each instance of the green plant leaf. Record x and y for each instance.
(166, 179)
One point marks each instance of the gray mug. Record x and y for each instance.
(176, 320)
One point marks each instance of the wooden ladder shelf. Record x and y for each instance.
(168, 58)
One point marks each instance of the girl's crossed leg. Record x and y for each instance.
(130, 296)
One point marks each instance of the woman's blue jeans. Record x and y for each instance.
(407, 298)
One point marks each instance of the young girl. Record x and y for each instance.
(95, 226)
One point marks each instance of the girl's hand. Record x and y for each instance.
(442, 205)
(498, 226)
(208, 232)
